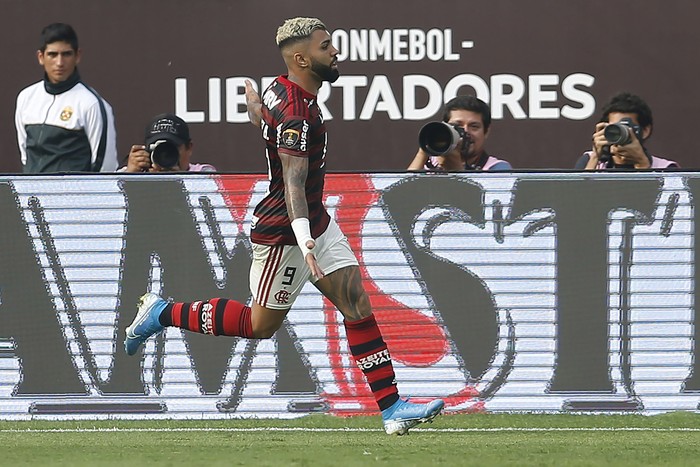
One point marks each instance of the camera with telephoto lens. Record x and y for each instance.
(619, 133)
(438, 138)
(164, 153)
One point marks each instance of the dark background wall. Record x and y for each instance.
(133, 51)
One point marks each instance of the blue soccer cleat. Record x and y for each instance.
(404, 415)
(146, 322)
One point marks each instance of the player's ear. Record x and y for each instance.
(301, 60)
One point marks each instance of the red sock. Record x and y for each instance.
(218, 316)
(372, 356)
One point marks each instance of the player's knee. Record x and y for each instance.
(265, 321)
(264, 331)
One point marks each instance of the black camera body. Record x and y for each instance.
(164, 153)
(619, 133)
(438, 138)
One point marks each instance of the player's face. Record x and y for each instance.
(324, 57)
(59, 61)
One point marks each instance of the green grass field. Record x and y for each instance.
(484, 440)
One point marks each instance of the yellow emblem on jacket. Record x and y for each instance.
(66, 114)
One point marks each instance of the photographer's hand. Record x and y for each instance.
(599, 143)
(599, 140)
(139, 160)
(631, 154)
(419, 160)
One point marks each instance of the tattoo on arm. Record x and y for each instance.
(294, 172)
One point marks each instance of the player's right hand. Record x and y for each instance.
(311, 260)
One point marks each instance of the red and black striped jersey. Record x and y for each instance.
(292, 122)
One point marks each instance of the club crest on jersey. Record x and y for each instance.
(66, 114)
(290, 137)
(282, 296)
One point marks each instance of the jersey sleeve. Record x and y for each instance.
(293, 136)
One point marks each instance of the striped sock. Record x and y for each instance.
(218, 316)
(372, 356)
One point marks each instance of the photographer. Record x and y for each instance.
(618, 142)
(167, 148)
(471, 119)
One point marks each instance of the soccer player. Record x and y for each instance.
(294, 239)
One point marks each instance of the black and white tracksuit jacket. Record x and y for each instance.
(65, 127)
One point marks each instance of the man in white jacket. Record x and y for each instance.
(63, 125)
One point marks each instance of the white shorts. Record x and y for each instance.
(278, 273)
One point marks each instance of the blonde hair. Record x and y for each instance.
(295, 29)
